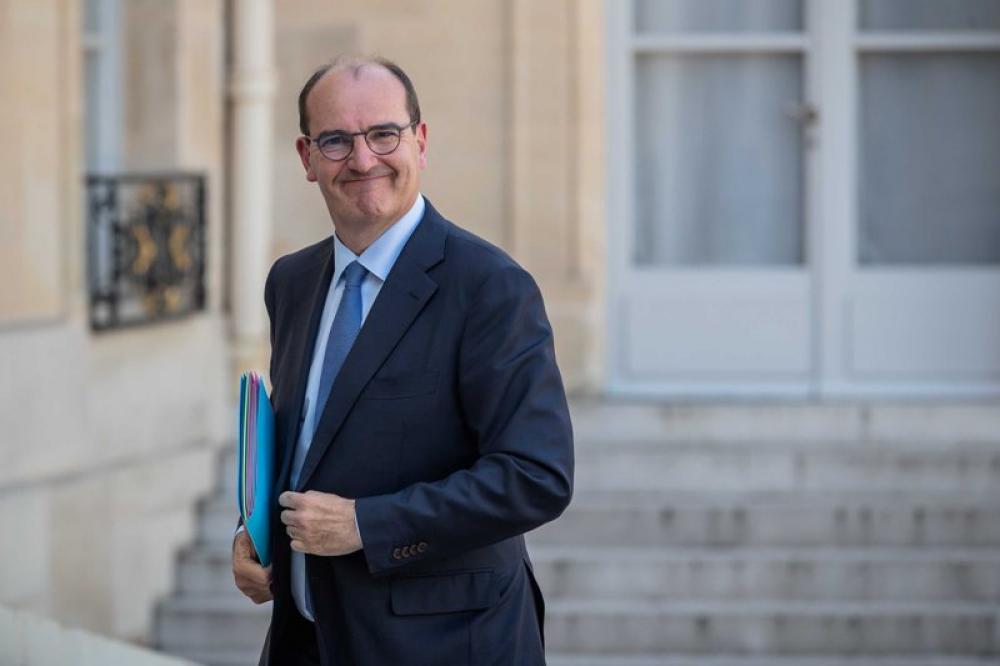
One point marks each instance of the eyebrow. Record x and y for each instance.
(379, 126)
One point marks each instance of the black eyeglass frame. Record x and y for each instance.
(398, 129)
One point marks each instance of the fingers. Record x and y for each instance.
(290, 499)
(243, 547)
(253, 580)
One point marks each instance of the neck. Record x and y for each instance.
(357, 238)
(357, 234)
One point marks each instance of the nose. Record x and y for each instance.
(361, 158)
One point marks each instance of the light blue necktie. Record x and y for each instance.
(343, 331)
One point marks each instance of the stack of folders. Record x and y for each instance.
(255, 463)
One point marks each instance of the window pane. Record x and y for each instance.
(723, 15)
(929, 14)
(92, 16)
(930, 159)
(718, 160)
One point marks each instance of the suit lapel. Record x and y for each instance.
(405, 293)
(322, 272)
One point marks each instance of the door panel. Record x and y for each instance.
(947, 332)
(711, 289)
(718, 15)
(757, 250)
(929, 159)
(715, 186)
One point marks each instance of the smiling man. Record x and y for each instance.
(421, 420)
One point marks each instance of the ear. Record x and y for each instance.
(302, 148)
(421, 133)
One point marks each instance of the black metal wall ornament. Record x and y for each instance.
(146, 248)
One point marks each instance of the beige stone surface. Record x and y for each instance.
(29, 640)
(109, 438)
(114, 534)
(513, 97)
(43, 402)
(455, 54)
(33, 45)
(26, 548)
(81, 402)
(201, 125)
(151, 140)
(153, 521)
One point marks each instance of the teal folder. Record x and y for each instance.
(255, 463)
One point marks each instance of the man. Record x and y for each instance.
(421, 421)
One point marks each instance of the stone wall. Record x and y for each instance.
(108, 439)
(513, 96)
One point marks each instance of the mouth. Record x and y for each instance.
(365, 178)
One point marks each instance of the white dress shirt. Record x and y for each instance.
(378, 259)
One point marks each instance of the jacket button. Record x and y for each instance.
(422, 547)
(396, 554)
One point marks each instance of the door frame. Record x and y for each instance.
(831, 45)
(623, 45)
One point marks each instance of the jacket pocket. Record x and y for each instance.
(444, 593)
(402, 386)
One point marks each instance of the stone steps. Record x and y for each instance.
(233, 656)
(773, 519)
(206, 622)
(877, 574)
(781, 518)
(892, 574)
(758, 466)
(771, 660)
(635, 626)
(816, 466)
(727, 535)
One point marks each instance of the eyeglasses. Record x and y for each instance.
(381, 139)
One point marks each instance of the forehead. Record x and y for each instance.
(355, 98)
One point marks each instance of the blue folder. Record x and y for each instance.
(255, 463)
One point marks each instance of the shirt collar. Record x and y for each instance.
(380, 256)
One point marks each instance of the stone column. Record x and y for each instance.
(251, 92)
(557, 172)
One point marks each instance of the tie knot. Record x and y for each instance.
(354, 273)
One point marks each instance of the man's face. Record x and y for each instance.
(364, 190)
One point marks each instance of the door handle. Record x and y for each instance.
(802, 112)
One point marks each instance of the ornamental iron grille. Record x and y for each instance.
(145, 248)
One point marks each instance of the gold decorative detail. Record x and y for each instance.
(178, 247)
(146, 249)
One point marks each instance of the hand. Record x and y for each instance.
(252, 579)
(320, 523)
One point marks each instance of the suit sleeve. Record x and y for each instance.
(269, 303)
(514, 403)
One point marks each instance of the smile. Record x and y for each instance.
(363, 179)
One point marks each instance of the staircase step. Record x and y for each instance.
(776, 519)
(710, 573)
(776, 465)
(211, 623)
(218, 520)
(886, 574)
(222, 657)
(583, 626)
(607, 422)
(799, 660)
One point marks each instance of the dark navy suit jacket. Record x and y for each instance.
(448, 423)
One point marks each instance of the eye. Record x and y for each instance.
(382, 134)
(333, 142)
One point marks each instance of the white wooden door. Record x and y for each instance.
(711, 288)
(910, 92)
(804, 197)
